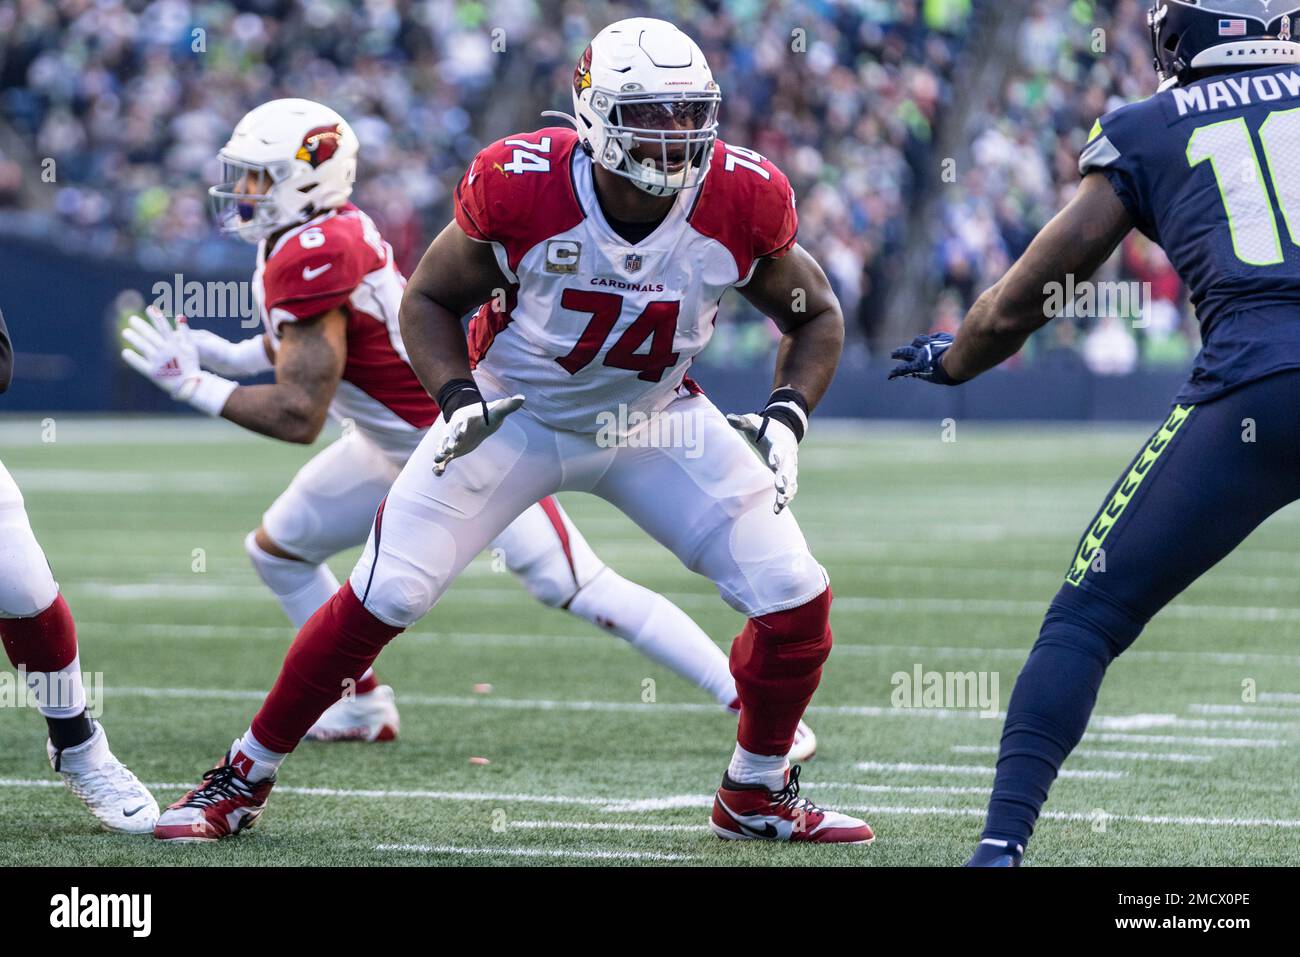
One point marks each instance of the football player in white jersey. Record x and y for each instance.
(40, 640)
(596, 259)
(328, 294)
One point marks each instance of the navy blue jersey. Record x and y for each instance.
(1211, 172)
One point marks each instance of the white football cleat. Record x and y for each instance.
(805, 745)
(365, 717)
(108, 789)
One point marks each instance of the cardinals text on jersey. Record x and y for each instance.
(339, 260)
(590, 321)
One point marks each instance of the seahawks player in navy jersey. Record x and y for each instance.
(1228, 455)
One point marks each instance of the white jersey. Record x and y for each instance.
(591, 323)
(338, 260)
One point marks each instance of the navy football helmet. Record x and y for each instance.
(1193, 36)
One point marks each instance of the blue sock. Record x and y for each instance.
(1048, 712)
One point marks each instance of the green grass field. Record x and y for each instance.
(1176, 769)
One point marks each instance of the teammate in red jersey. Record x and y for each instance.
(596, 260)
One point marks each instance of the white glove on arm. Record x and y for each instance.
(237, 360)
(467, 419)
(776, 432)
(168, 357)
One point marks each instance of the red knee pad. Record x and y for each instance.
(44, 642)
(339, 642)
(777, 663)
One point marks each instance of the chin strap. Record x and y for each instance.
(563, 116)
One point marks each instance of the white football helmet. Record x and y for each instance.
(286, 161)
(646, 105)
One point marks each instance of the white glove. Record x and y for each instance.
(168, 358)
(779, 448)
(237, 360)
(468, 427)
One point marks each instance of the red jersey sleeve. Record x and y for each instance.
(747, 204)
(519, 191)
(317, 269)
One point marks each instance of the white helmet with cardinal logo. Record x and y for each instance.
(646, 105)
(287, 161)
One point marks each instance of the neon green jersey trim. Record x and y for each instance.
(1109, 515)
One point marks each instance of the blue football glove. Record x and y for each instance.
(921, 360)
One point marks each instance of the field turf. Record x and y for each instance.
(942, 555)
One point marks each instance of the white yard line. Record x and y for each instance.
(950, 606)
(971, 653)
(908, 767)
(1280, 711)
(605, 826)
(1170, 756)
(1289, 697)
(681, 801)
(455, 850)
(1102, 723)
(842, 646)
(1132, 737)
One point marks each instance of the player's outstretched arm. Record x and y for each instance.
(6, 356)
(794, 292)
(1075, 243)
(796, 295)
(308, 366)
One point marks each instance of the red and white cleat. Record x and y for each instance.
(222, 806)
(365, 717)
(751, 812)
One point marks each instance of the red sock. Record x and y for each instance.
(366, 684)
(777, 663)
(44, 642)
(337, 644)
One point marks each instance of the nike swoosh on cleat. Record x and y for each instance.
(134, 811)
(768, 831)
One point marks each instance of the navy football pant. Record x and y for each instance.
(1207, 477)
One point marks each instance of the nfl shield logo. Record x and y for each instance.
(632, 262)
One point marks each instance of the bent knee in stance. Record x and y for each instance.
(27, 586)
(1090, 621)
(259, 538)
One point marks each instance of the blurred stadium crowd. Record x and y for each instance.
(132, 100)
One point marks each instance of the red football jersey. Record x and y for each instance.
(338, 260)
(591, 323)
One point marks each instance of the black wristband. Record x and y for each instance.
(456, 394)
(940, 375)
(790, 408)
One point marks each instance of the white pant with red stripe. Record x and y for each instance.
(26, 585)
(330, 506)
(702, 493)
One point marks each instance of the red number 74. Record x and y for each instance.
(658, 323)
